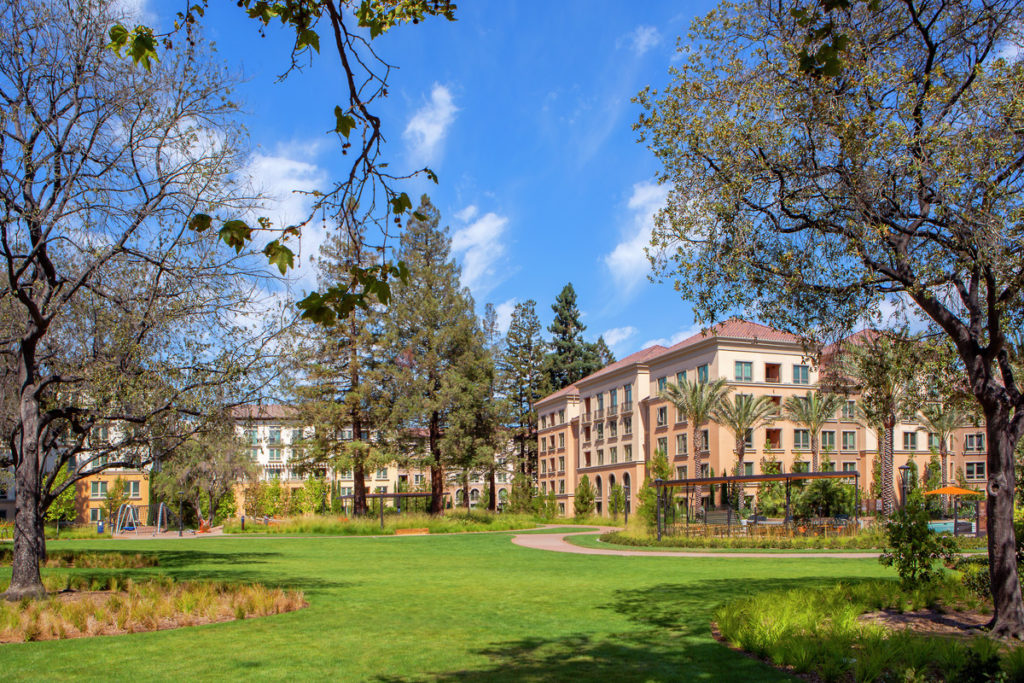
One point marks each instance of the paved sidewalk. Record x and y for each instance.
(557, 543)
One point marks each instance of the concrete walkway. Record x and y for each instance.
(557, 543)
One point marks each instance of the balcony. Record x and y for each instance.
(599, 414)
(626, 407)
(586, 417)
(613, 410)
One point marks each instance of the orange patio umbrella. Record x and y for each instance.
(952, 491)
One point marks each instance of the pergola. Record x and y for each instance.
(664, 485)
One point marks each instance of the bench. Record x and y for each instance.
(412, 532)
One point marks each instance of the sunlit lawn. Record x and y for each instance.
(470, 607)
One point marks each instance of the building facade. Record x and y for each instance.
(613, 421)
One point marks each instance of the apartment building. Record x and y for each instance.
(92, 492)
(618, 419)
(558, 439)
(273, 432)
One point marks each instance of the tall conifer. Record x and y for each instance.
(571, 358)
(523, 381)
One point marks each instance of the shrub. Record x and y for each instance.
(913, 549)
(583, 503)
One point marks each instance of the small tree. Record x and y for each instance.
(63, 507)
(523, 492)
(616, 500)
(913, 549)
(114, 500)
(546, 506)
(698, 402)
(314, 496)
(583, 503)
(657, 468)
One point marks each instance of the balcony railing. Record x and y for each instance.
(613, 410)
(586, 417)
(626, 407)
(599, 413)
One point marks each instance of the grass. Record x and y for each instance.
(67, 558)
(818, 631)
(453, 521)
(131, 606)
(469, 607)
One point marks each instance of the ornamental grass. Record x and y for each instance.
(77, 559)
(452, 521)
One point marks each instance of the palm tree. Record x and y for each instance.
(741, 415)
(942, 420)
(697, 401)
(812, 411)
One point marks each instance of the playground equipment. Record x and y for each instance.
(127, 519)
(164, 518)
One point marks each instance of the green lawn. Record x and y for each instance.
(472, 607)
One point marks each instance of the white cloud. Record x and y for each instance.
(675, 338)
(426, 130)
(1010, 51)
(617, 335)
(479, 245)
(467, 214)
(281, 178)
(641, 39)
(504, 311)
(627, 262)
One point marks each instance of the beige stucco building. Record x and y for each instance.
(609, 424)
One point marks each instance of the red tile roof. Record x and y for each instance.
(734, 328)
(263, 412)
(566, 391)
(633, 358)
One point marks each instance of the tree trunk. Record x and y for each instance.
(814, 452)
(698, 490)
(1008, 617)
(358, 488)
(944, 458)
(741, 454)
(492, 504)
(885, 452)
(436, 470)
(465, 489)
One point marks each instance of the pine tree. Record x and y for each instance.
(602, 354)
(523, 382)
(583, 502)
(333, 381)
(436, 360)
(571, 358)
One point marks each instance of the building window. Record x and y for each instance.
(347, 474)
(933, 441)
(600, 430)
(561, 416)
(98, 489)
(662, 383)
(296, 435)
(613, 427)
(613, 455)
(681, 378)
(702, 374)
(600, 456)
(828, 441)
(382, 473)
(254, 454)
(561, 485)
(849, 411)
(543, 466)
(627, 453)
(849, 441)
(561, 441)
(561, 463)
(501, 476)
(772, 373)
(801, 438)
(627, 393)
(273, 474)
(417, 479)
(627, 425)
(600, 401)
(748, 469)
(849, 466)
(95, 514)
(974, 442)
(827, 466)
(250, 437)
(974, 471)
(543, 421)
(663, 444)
(681, 472)
(680, 444)
(748, 439)
(705, 470)
(801, 374)
(910, 441)
(773, 439)
(131, 489)
(705, 440)
(744, 371)
(275, 435)
(275, 454)
(613, 397)
(662, 416)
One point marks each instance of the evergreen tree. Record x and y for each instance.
(583, 502)
(602, 354)
(570, 358)
(523, 381)
(437, 375)
(334, 379)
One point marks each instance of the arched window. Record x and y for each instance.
(474, 495)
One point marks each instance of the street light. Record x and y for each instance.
(181, 499)
(904, 481)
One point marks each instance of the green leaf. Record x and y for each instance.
(344, 122)
(144, 48)
(279, 255)
(431, 175)
(401, 203)
(118, 38)
(314, 307)
(235, 233)
(200, 222)
(419, 216)
(308, 38)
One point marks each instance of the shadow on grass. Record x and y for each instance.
(672, 642)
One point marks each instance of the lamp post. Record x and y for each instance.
(904, 481)
(181, 500)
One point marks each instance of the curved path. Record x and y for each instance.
(557, 543)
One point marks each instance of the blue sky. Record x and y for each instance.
(523, 110)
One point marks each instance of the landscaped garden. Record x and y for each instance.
(468, 606)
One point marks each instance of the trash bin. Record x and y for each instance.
(99, 527)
